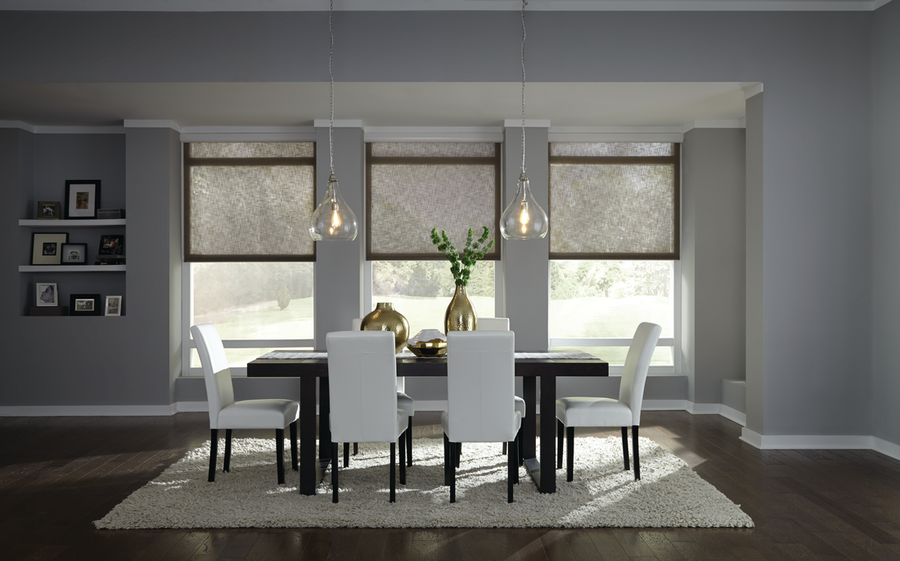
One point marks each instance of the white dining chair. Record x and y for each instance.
(574, 412)
(480, 398)
(403, 402)
(502, 324)
(226, 413)
(362, 373)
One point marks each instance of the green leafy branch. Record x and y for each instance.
(461, 263)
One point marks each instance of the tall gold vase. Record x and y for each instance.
(385, 318)
(460, 315)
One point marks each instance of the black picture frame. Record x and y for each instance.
(112, 244)
(85, 305)
(45, 247)
(48, 210)
(73, 253)
(82, 199)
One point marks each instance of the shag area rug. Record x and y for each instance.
(669, 493)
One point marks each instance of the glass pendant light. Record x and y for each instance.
(333, 219)
(523, 219)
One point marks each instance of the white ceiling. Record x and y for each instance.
(389, 104)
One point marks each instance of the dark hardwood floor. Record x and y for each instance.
(59, 474)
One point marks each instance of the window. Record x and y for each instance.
(614, 247)
(413, 187)
(248, 252)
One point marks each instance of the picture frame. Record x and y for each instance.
(82, 198)
(45, 247)
(46, 294)
(112, 244)
(84, 304)
(113, 306)
(73, 253)
(48, 210)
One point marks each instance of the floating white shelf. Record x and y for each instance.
(71, 223)
(71, 268)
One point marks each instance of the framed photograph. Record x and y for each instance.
(82, 198)
(84, 304)
(48, 210)
(73, 253)
(46, 294)
(45, 247)
(113, 306)
(112, 244)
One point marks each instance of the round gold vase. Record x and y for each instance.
(385, 318)
(460, 315)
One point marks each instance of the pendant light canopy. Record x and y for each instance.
(523, 218)
(332, 219)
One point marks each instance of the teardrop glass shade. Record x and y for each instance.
(523, 219)
(333, 219)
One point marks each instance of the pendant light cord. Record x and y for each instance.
(524, 3)
(331, 83)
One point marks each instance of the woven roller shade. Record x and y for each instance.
(249, 201)
(414, 187)
(614, 201)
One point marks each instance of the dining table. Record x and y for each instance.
(312, 367)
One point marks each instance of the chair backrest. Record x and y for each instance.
(493, 324)
(637, 362)
(219, 391)
(354, 325)
(481, 386)
(362, 374)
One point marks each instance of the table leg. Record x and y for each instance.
(308, 463)
(529, 394)
(548, 433)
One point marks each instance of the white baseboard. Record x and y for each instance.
(89, 410)
(820, 442)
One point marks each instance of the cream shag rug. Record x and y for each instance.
(669, 494)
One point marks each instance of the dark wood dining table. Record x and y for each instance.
(313, 366)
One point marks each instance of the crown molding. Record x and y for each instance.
(448, 5)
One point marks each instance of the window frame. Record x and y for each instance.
(301, 134)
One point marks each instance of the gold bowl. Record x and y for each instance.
(434, 346)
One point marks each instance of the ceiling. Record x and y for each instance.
(388, 104)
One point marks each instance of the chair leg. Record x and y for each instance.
(213, 450)
(355, 448)
(279, 451)
(334, 473)
(447, 459)
(504, 448)
(512, 457)
(294, 465)
(402, 459)
(637, 459)
(453, 478)
(227, 466)
(457, 456)
(625, 447)
(347, 454)
(570, 453)
(409, 443)
(517, 453)
(560, 429)
(520, 447)
(393, 471)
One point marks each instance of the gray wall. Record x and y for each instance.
(885, 298)
(712, 261)
(816, 138)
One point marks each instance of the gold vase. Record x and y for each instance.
(385, 318)
(460, 315)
